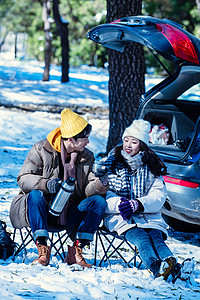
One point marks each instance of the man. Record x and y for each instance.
(51, 160)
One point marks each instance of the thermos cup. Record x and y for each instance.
(61, 199)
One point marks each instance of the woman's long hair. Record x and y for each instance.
(155, 164)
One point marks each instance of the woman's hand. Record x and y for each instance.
(128, 207)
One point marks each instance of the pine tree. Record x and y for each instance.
(126, 75)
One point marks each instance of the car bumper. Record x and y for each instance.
(191, 216)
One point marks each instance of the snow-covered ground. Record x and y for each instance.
(20, 82)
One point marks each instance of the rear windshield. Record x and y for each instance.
(193, 94)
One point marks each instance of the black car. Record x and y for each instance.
(172, 107)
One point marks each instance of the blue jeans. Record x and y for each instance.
(150, 244)
(86, 216)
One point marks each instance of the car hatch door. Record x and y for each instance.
(165, 37)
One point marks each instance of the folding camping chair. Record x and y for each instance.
(58, 238)
(114, 245)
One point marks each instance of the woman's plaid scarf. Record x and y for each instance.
(131, 179)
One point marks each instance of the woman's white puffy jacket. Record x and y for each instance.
(149, 218)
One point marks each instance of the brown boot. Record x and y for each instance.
(70, 259)
(167, 267)
(44, 255)
(74, 256)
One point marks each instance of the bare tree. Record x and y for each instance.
(62, 28)
(3, 39)
(48, 39)
(198, 5)
(126, 75)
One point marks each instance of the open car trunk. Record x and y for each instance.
(172, 106)
(163, 103)
(166, 105)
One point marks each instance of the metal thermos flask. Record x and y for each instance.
(60, 200)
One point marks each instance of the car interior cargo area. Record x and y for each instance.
(178, 123)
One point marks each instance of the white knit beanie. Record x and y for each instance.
(138, 129)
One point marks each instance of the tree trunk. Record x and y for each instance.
(47, 34)
(198, 5)
(62, 28)
(3, 40)
(65, 52)
(126, 75)
(15, 45)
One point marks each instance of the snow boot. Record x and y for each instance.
(176, 273)
(74, 256)
(44, 255)
(167, 267)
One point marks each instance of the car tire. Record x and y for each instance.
(182, 226)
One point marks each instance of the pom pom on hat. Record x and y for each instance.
(138, 129)
(71, 123)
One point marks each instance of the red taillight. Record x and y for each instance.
(181, 182)
(181, 44)
(116, 21)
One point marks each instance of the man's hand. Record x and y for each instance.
(104, 179)
(53, 185)
(127, 208)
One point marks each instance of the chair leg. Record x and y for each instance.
(63, 251)
(25, 241)
(95, 250)
(134, 249)
(61, 239)
(53, 245)
(105, 252)
(116, 249)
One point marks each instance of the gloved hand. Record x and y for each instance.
(128, 207)
(104, 179)
(53, 185)
(99, 169)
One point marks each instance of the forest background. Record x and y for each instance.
(55, 31)
(26, 17)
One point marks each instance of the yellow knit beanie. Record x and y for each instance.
(71, 123)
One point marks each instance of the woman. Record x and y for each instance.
(136, 195)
